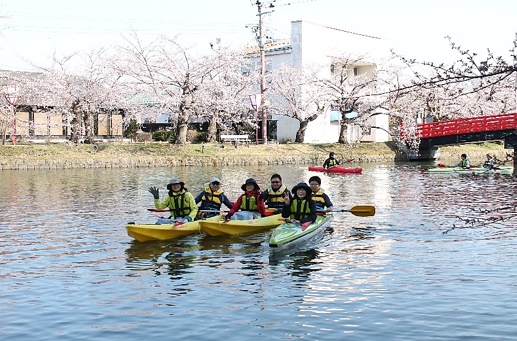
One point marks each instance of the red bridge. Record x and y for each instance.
(467, 130)
(469, 126)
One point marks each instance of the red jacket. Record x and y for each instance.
(260, 203)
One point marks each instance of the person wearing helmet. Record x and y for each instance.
(249, 205)
(211, 198)
(179, 200)
(330, 161)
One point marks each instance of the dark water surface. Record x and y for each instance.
(414, 271)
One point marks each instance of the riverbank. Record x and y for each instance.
(112, 155)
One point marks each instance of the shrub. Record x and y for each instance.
(194, 136)
(162, 135)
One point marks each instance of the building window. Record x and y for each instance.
(356, 71)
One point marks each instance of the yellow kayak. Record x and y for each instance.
(219, 227)
(149, 231)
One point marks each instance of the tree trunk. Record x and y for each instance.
(343, 128)
(76, 123)
(212, 131)
(300, 134)
(88, 129)
(4, 130)
(181, 129)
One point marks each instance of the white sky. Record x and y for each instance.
(36, 29)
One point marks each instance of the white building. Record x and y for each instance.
(314, 44)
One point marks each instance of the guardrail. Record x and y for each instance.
(468, 125)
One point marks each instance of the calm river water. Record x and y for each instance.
(414, 271)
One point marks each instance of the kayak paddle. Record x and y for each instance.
(360, 210)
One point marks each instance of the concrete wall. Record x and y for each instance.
(315, 45)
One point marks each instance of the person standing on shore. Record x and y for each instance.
(179, 200)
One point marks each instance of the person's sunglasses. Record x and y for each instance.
(216, 183)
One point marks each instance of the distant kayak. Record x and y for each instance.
(337, 169)
(472, 170)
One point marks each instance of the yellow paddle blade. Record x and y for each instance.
(362, 210)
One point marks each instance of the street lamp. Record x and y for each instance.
(256, 101)
(11, 95)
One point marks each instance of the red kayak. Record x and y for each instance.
(336, 169)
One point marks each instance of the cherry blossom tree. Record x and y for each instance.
(167, 72)
(481, 72)
(78, 87)
(224, 96)
(298, 93)
(471, 86)
(349, 92)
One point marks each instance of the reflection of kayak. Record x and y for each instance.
(290, 235)
(472, 170)
(336, 169)
(219, 227)
(150, 231)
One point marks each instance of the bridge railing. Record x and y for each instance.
(468, 125)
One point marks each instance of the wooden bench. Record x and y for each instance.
(235, 138)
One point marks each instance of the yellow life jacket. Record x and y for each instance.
(318, 197)
(275, 199)
(212, 196)
(300, 209)
(248, 203)
(179, 205)
(332, 162)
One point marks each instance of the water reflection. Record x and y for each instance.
(67, 259)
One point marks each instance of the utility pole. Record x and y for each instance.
(260, 39)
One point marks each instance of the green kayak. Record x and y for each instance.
(290, 235)
(472, 170)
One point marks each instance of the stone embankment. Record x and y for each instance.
(152, 155)
(154, 161)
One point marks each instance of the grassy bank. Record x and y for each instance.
(163, 154)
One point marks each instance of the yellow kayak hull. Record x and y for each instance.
(220, 227)
(149, 231)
